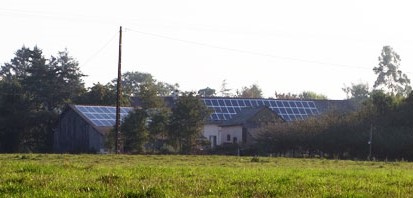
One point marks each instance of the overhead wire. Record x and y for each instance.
(49, 15)
(94, 55)
(245, 51)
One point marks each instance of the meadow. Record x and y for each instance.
(53, 175)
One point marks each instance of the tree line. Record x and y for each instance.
(34, 90)
(382, 128)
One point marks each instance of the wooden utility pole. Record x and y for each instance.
(370, 141)
(118, 95)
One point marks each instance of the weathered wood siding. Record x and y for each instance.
(74, 135)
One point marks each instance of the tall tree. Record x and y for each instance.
(225, 91)
(148, 124)
(207, 92)
(132, 80)
(134, 130)
(98, 94)
(13, 117)
(17, 67)
(44, 86)
(389, 76)
(358, 91)
(187, 119)
(158, 113)
(254, 91)
(166, 89)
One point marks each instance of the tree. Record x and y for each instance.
(225, 92)
(389, 77)
(310, 95)
(98, 94)
(207, 92)
(17, 68)
(166, 89)
(286, 95)
(132, 80)
(134, 131)
(53, 84)
(149, 96)
(44, 87)
(158, 127)
(67, 80)
(186, 122)
(254, 91)
(158, 113)
(357, 91)
(147, 124)
(13, 116)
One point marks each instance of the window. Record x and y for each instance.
(228, 137)
(235, 140)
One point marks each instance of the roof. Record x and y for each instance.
(225, 108)
(102, 118)
(246, 114)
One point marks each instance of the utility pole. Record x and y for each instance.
(118, 95)
(370, 141)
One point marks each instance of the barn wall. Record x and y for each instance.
(96, 141)
(74, 135)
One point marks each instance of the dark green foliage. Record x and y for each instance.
(131, 82)
(146, 126)
(357, 92)
(134, 131)
(305, 95)
(347, 135)
(99, 94)
(186, 122)
(254, 91)
(310, 95)
(34, 90)
(207, 92)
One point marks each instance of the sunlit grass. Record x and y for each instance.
(36, 175)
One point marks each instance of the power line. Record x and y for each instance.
(99, 50)
(246, 51)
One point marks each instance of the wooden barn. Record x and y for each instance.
(83, 129)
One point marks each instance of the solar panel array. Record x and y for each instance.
(101, 115)
(289, 110)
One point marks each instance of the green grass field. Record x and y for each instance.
(38, 175)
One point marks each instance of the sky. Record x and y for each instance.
(283, 46)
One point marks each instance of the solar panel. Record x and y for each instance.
(289, 110)
(102, 116)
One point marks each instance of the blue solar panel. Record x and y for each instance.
(226, 108)
(102, 116)
(208, 102)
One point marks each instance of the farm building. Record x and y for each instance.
(236, 120)
(233, 120)
(83, 129)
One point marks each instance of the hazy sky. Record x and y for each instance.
(283, 46)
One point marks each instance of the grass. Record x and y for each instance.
(40, 175)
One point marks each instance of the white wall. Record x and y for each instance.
(212, 130)
(221, 133)
(233, 131)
